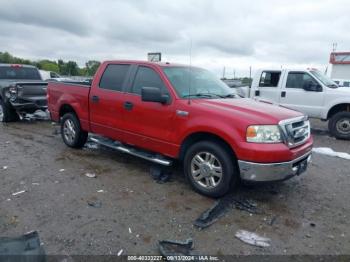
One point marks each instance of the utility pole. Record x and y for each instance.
(223, 73)
(234, 74)
(335, 45)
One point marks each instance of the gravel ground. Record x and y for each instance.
(305, 215)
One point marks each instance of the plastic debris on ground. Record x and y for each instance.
(90, 175)
(91, 145)
(37, 115)
(330, 152)
(18, 193)
(94, 202)
(160, 174)
(130, 232)
(4, 167)
(62, 170)
(26, 248)
(100, 191)
(252, 238)
(175, 248)
(223, 205)
(120, 252)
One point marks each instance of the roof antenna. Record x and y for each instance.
(189, 75)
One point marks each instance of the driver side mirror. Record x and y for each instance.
(312, 86)
(153, 94)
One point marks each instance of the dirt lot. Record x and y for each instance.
(309, 214)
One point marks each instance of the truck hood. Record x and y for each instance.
(250, 110)
(339, 91)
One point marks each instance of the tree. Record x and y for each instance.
(72, 68)
(91, 67)
(49, 65)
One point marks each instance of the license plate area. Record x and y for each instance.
(301, 166)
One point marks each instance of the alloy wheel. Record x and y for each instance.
(69, 131)
(206, 170)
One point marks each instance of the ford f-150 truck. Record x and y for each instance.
(308, 91)
(163, 111)
(21, 91)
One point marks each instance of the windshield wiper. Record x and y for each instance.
(230, 96)
(201, 95)
(332, 86)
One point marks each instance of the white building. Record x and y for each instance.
(340, 67)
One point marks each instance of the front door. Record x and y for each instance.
(295, 97)
(148, 124)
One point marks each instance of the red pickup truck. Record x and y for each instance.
(163, 111)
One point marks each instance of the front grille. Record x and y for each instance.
(295, 131)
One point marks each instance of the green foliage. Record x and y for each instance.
(61, 67)
(91, 67)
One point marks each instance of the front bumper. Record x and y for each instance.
(268, 172)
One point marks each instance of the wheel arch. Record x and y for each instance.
(338, 108)
(204, 136)
(66, 108)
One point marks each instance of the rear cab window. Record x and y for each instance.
(19, 73)
(114, 76)
(269, 79)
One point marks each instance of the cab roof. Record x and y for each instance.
(142, 62)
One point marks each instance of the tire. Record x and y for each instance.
(204, 159)
(339, 125)
(7, 114)
(71, 132)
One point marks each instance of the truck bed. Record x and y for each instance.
(77, 93)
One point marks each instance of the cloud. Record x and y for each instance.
(234, 34)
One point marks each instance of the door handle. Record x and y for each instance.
(257, 92)
(283, 94)
(128, 105)
(95, 99)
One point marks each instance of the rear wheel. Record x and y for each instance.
(72, 134)
(7, 114)
(339, 125)
(210, 168)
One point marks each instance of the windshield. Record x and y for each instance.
(18, 72)
(324, 79)
(198, 83)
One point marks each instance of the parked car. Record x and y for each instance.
(162, 111)
(21, 91)
(308, 91)
(342, 82)
(53, 76)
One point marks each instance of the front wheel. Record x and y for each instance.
(210, 168)
(72, 134)
(339, 125)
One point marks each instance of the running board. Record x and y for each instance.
(155, 158)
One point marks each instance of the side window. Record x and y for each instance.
(113, 77)
(147, 77)
(298, 80)
(269, 79)
(346, 84)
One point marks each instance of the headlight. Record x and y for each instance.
(264, 134)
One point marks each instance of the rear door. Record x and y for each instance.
(269, 86)
(295, 97)
(148, 124)
(106, 101)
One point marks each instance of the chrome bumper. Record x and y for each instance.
(261, 172)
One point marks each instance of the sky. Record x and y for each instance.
(209, 33)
